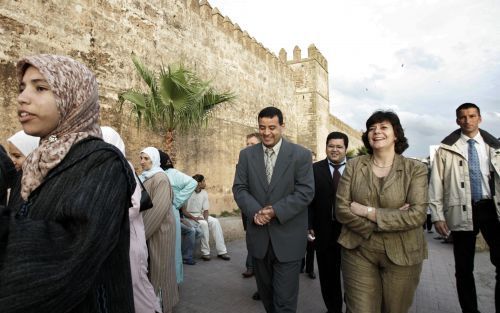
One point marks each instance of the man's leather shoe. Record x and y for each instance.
(224, 256)
(248, 273)
(205, 257)
(311, 275)
(256, 296)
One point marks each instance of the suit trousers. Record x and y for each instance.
(485, 219)
(329, 277)
(277, 282)
(249, 259)
(308, 260)
(374, 284)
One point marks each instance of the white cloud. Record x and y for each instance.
(450, 50)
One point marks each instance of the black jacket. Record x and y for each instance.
(326, 230)
(67, 247)
(7, 175)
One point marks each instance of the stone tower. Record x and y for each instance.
(310, 75)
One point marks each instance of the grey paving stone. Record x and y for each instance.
(217, 285)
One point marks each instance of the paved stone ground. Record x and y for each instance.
(217, 285)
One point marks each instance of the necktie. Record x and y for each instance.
(474, 172)
(269, 164)
(335, 178)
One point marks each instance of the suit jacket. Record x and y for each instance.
(401, 231)
(320, 210)
(290, 191)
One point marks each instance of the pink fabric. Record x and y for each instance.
(145, 300)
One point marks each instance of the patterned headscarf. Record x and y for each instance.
(75, 90)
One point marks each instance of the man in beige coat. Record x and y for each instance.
(464, 198)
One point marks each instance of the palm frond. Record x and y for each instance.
(177, 98)
(146, 74)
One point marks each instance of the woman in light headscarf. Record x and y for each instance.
(20, 145)
(67, 248)
(144, 295)
(182, 187)
(159, 224)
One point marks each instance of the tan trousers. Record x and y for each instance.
(374, 284)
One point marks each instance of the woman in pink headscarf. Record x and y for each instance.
(145, 300)
(67, 247)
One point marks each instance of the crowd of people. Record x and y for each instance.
(67, 243)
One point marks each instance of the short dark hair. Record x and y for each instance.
(271, 112)
(381, 116)
(256, 135)
(465, 106)
(199, 178)
(165, 161)
(338, 135)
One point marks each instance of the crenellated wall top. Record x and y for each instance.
(216, 18)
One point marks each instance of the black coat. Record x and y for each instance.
(67, 247)
(326, 230)
(8, 175)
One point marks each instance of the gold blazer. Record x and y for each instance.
(401, 231)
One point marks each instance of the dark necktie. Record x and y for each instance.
(335, 180)
(474, 172)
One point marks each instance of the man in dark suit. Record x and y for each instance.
(273, 186)
(322, 223)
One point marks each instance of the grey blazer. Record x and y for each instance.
(290, 191)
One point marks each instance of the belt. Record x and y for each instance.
(483, 200)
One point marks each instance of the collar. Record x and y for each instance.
(276, 147)
(478, 138)
(342, 163)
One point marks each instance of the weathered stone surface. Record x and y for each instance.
(104, 34)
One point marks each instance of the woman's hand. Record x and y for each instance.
(358, 209)
(405, 207)
(364, 211)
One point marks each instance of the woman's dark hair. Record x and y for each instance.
(382, 116)
(165, 161)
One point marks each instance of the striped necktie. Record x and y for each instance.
(269, 164)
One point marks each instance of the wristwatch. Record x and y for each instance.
(369, 210)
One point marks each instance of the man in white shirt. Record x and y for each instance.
(196, 210)
(463, 195)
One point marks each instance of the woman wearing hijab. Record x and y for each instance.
(182, 187)
(159, 224)
(381, 203)
(67, 248)
(145, 300)
(20, 145)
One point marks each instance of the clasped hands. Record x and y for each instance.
(264, 215)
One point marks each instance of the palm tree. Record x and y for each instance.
(176, 100)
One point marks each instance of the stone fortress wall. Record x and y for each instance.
(103, 34)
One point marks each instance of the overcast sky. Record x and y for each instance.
(420, 58)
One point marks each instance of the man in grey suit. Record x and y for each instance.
(273, 186)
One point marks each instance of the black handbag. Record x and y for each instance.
(146, 202)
